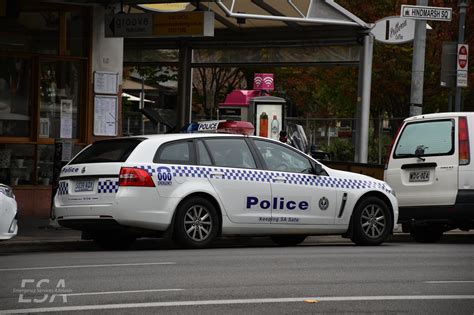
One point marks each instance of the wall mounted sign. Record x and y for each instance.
(105, 82)
(105, 115)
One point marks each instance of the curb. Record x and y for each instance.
(77, 244)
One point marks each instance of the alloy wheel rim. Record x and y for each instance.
(198, 223)
(373, 221)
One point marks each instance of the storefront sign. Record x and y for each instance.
(197, 23)
(394, 30)
(178, 24)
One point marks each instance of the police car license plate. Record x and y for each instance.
(419, 176)
(84, 185)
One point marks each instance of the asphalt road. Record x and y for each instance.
(310, 278)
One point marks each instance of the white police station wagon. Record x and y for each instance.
(196, 187)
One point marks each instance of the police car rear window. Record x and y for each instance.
(106, 151)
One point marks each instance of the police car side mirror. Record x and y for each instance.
(318, 169)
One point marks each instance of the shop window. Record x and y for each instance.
(74, 32)
(45, 161)
(59, 99)
(16, 164)
(15, 98)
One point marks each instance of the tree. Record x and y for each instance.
(211, 85)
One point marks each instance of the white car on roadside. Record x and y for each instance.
(8, 213)
(195, 187)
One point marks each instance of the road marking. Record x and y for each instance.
(451, 281)
(88, 266)
(121, 292)
(236, 301)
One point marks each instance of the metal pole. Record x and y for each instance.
(418, 65)
(142, 105)
(462, 21)
(365, 99)
(185, 77)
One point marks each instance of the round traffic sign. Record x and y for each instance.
(462, 57)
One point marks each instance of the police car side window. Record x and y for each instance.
(203, 155)
(280, 158)
(230, 153)
(175, 153)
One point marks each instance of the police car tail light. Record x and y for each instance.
(463, 137)
(236, 127)
(130, 176)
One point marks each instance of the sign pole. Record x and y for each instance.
(418, 65)
(462, 20)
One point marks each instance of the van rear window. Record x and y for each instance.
(428, 138)
(106, 151)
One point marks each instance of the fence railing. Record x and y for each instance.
(338, 136)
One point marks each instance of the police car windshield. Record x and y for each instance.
(106, 151)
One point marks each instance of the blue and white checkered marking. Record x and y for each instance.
(107, 186)
(267, 176)
(63, 187)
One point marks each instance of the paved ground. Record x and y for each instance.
(324, 274)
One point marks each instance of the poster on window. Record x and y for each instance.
(66, 119)
(269, 120)
(105, 115)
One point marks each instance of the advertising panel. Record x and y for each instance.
(269, 120)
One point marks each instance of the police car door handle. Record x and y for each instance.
(279, 179)
(216, 175)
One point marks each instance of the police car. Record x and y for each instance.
(195, 187)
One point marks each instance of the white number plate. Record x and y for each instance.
(419, 176)
(84, 185)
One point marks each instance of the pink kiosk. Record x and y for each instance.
(236, 105)
(265, 112)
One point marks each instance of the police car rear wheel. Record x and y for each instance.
(197, 223)
(371, 222)
(288, 240)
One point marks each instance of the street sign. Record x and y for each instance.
(463, 50)
(426, 13)
(461, 79)
(129, 25)
(462, 64)
(394, 30)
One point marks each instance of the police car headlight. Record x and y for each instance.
(390, 190)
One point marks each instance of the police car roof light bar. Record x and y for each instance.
(227, 126)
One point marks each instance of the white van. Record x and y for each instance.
(432, 173)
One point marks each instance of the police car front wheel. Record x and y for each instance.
(372, 222)
(197, 223)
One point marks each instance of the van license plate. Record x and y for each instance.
(419, 176)
(84, 185)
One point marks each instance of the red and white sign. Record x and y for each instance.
(462, 63)
(263, 81)
(463, 54)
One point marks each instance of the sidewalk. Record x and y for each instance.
(40, 233)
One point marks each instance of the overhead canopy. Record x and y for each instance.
(263, 31)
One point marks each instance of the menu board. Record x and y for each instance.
(105, 82)
(105, 115)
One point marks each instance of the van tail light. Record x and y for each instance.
(387, 157)
(463, 137)
(130, 176)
